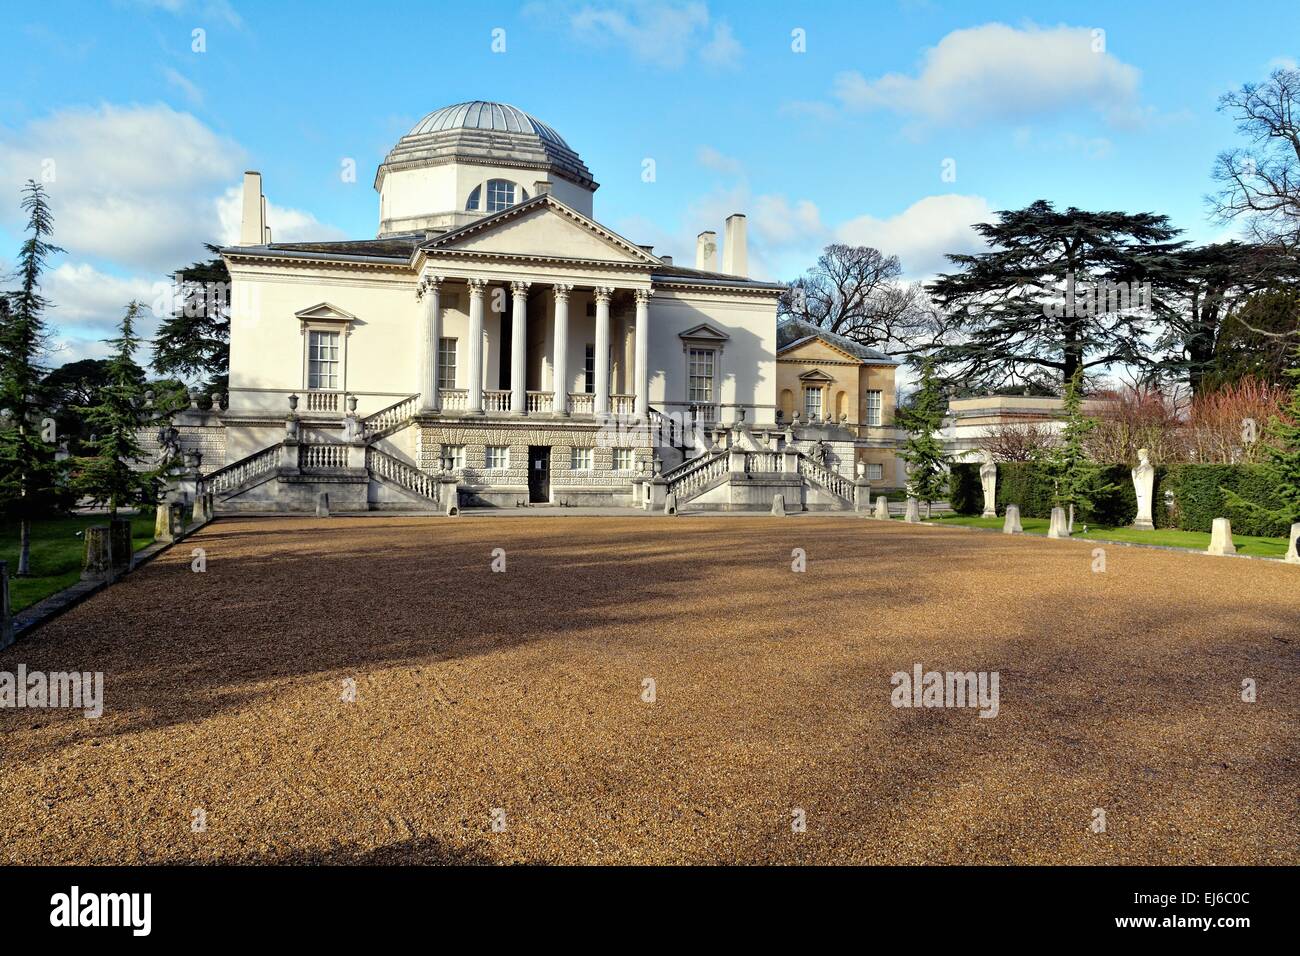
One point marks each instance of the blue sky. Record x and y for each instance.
(848, 140)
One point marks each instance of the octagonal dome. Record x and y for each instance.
(479, 114)
(441, 174)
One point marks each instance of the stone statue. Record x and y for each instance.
(989, 481)
(1144, 478)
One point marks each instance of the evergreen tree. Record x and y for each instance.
(1055, 292)
(193, 343)
(1282, 461)
(1076, 478)
(109, 477)
(28, 472)
(927, 476)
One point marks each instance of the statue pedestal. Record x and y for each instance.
(1144, 524)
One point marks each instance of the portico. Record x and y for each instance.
(534, 341)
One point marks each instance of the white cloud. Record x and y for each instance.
(183, 83)
(923, 233)
(136, 191)
(662, 34)
(1283, 63)
(81, 294)
(127, 184)
(710, 158)
(723, 49)
(287, 225)
(997, 72)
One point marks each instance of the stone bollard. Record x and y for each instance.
(1293, 552)
(98, 564)
(177, 518)
(323, 505)
(450, 494)
(167, 523)
(121, 550)
(778, 505)
(882, 508)
(202, 514)
(6, 618)
(913, 511)
(1011, 524)
(1221, 538)
(1059, 528)
(670, 504)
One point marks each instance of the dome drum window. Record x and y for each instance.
(501, 194)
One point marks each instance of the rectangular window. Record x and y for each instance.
(453, 457)
(874, 407)
(498, 457)
(622, 459)
(580, 459)
(875, 472)
(812, 403)
(589, 371)
(322, 359)
(699, 373)
(446, 363)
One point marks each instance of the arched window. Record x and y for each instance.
(473, 198)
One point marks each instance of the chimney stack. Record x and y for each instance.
(542, 187)
(735, 251)
(667, 260)
(252, 226)
(706, 251)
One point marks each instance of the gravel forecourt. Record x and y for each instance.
(499, 717)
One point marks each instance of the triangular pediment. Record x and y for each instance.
(542, 228)
(703, 333)
(324, 312)
(814, 345)
(815, 375)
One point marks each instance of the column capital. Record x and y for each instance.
(604, 293)
(476, 286)
(562, 291)
(427, 283)
(519, 286)
(643, 295)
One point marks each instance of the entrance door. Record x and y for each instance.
(539, 474)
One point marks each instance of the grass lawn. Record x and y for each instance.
(1192, 540)
(57, 554)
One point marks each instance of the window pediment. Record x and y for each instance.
(815, 376)
(327, 314)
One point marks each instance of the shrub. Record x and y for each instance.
(965, 493)
(1199, 498)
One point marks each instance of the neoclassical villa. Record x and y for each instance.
(496, 345)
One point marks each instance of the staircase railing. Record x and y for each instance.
(670, 429)
(400, 473)
(237, 472)
(832, 481)
(690, 477)
(388, 419)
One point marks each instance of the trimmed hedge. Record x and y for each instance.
(1199, 498)
(1187, 497)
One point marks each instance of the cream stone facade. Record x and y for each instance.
(841, 393)
(496, 343)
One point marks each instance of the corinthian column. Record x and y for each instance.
(603, 295)
(429, 291)
(642, 358)
(474, 400)
(518, 348)
(560, 360)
